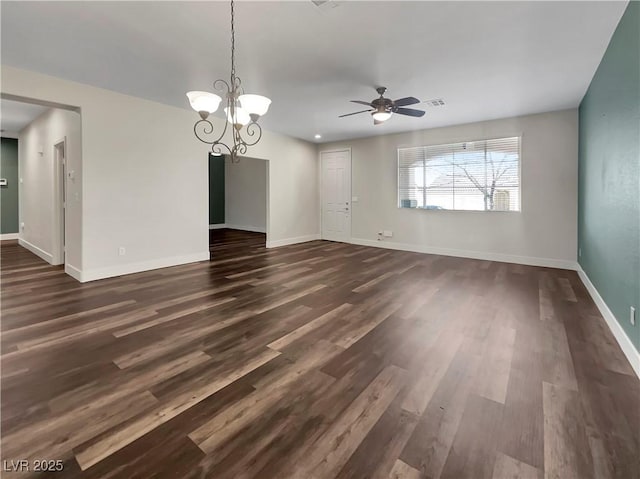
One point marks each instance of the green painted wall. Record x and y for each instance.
(609, 175)
(216, 189)
(9, 193)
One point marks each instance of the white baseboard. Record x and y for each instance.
(255, 229)
(9, 236)
(503, 258)
(48, 257)
(111, 271)
(74, 272)
(218, 226)
(288, 241)
(629, 350)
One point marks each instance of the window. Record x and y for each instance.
(476, 175)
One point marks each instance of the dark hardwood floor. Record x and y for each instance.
(317, 360)
(224, 240)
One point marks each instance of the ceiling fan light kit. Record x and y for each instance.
(243, 111)
(381, 115)
(383, 108)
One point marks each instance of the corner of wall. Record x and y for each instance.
(629, 350)
(131, 268)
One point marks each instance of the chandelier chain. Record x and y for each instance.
(233, 44)
(243, 135)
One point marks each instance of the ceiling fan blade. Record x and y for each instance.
(354, 113)
(360, 102)
(406, 101)
(409, 112)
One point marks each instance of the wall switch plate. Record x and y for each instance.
(354, 199)
(632, 315)
(122, 251)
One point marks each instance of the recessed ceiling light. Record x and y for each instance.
(318, 136)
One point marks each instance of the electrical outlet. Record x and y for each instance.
(22, 225)
(632, 315)
(387, 234)
(122, 251)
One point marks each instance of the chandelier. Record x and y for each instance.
(242, 111)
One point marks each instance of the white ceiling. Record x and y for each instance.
(15, 115)
(485, 59)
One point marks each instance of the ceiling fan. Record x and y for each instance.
(382, 108)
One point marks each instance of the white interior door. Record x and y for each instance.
(336, 195)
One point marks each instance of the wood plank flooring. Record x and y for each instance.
(317, 360)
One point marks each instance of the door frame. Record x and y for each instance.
(59, 200)
(321, 175)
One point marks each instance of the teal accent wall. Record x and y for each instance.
(609, 175)
(216, 189)
(9, 193)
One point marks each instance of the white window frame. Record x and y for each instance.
(520, 136)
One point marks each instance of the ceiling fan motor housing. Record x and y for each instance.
(382, 104)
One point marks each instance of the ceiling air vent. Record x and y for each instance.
(326, 4)
(435, 102)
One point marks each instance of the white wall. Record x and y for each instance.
(294, 197)
(245, 191)
(40, 189)
(544, 232)
(145, 176)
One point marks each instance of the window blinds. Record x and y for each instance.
(475, 175)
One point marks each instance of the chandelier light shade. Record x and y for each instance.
(239, 116)
(255, 104)
(204, 102)
(242, 111)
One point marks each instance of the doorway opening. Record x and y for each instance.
(60, 194)
(238, 206)
(48, 178)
